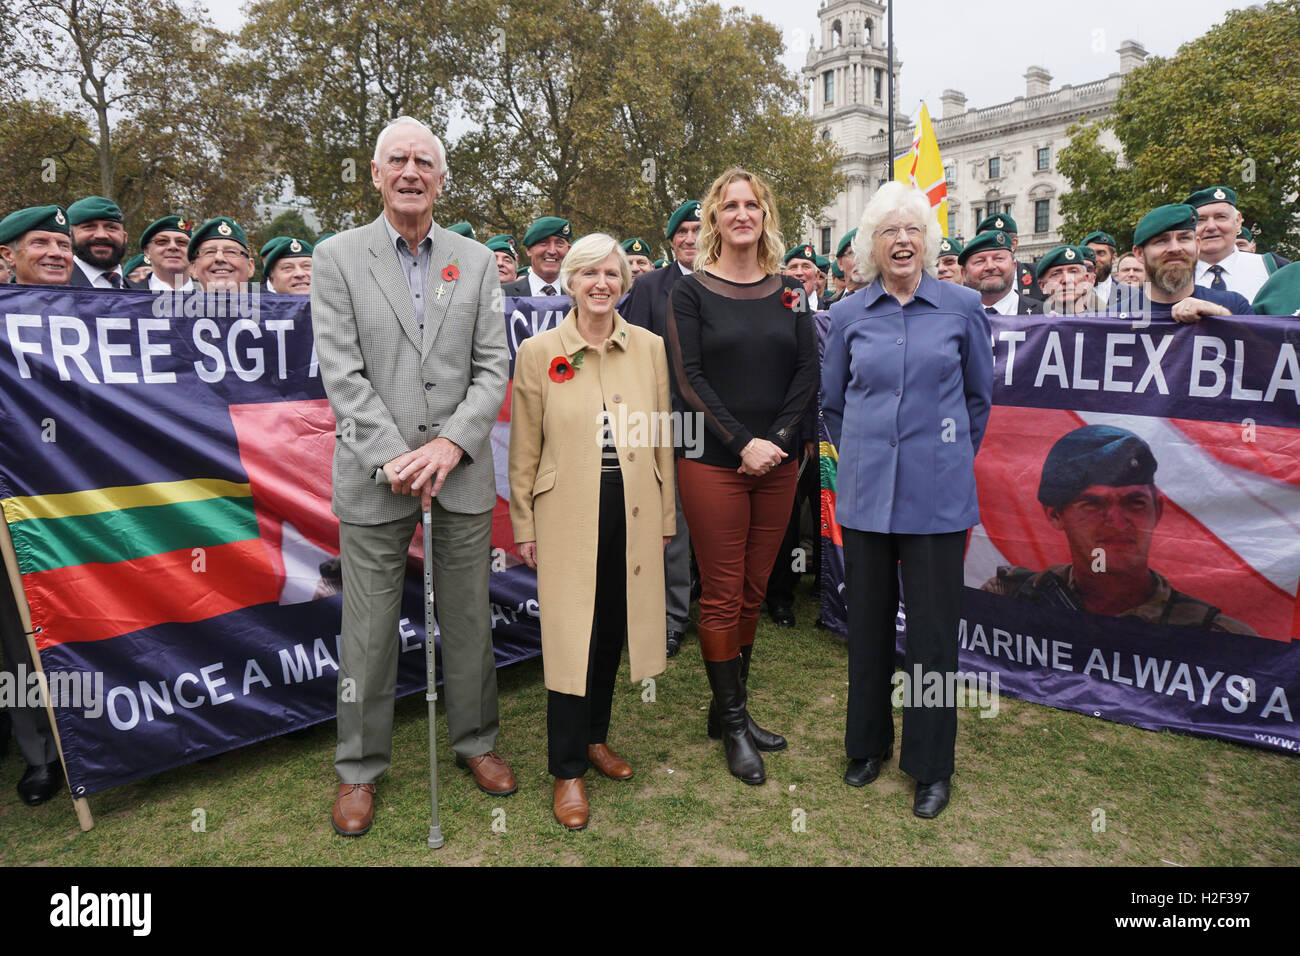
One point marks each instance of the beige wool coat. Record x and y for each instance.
(555, 487)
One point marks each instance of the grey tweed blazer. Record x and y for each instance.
(392, 387)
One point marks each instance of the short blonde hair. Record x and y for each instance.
(895, 197)
(586, 252)
(709, 244)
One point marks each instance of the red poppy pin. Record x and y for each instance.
(451, 273)
(561, 369)
(790, 299)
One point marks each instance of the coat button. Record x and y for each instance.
(898, 341)
(428, 385)
(421, 427)
(898, 391)
(617, 398)
(635, 512)
(637, 569)
(893, 442)
(631, 456)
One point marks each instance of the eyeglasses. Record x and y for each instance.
(179, 241)
(913, 232)
(226, 252)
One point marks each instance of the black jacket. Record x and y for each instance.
(79, 279)
(647, 302)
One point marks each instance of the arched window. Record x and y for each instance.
(837, 33)
(866, 33)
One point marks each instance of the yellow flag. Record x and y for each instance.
(922, 167)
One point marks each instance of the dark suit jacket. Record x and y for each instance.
(647, 303)
(1026, 284)
(1029, 306)
(80, 280)
(516, 287)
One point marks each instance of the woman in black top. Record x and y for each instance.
(740, 340)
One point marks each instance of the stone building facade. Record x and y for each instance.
(998, 159)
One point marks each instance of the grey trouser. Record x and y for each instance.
(677, 574)
(374, 566)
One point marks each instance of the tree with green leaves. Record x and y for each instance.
(1222, 111)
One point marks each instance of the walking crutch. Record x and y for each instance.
(431, 694)
(430, 669)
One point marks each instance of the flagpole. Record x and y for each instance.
(889, 158)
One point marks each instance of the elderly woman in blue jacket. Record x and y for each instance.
(907, 377)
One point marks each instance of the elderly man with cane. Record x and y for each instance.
(411, 341)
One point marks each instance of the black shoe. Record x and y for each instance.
(40, 782)
(743, 759)
(931, 798)
(864, 771)
(764, 740)
(782, 614)
(675, 638)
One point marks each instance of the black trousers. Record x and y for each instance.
(784, 578)
(31, 725)
(932, 585)
(573, 722)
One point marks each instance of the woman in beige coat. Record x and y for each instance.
(591, 500)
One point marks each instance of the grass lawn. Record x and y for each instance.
(1028, 787)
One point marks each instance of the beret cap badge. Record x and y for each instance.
(295, 246)
(999, 223)
(60, 218)
(223, 229)
(1220, 194)
(1002, 239)
(1069, 254)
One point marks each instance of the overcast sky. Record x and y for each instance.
(983, 48)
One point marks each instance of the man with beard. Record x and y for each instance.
(98, 244)
(647, 306)
(1165, 242)
(949, 268)
(1103, 244)
(1098, 489)
(1065, 280)
(35, 245)
(990, 269)
(547, 243)
(1001, 222)
(219, 256)
(164, 243)
(1221, 265)
(286, 265)
(507, 253)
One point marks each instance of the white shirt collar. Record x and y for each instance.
(1228, 264)
(685, 271)
(157, 285)
(1008, 304)
(535, 283)
(96, 274)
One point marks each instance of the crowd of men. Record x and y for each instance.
(1189, 260)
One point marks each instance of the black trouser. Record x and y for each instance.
(573, 722)
(31, 725)
(784, 578)
(932, 584)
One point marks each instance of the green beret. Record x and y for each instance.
(822, 263)
(846, 242)
(1244, 233)
(659, 263)
(323, 236)
(1203, 197)
(546, 227)
(166, 224)
(998, 220)
(462, 229)
(1060, 256)
(687, 212)
(503, 243)
(1101, 238)
(801, 252)
(220, 227)
(836, 271)
(1162, 219)
(135, 262)
(949, 246)
(283, 247)
(1094, 455)
(997, 239)
(93, 207)
(636, 247)
(521, 272)
(1280, 295)
(1088, 253)
(44, 218)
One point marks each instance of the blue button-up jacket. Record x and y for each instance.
(906, 394)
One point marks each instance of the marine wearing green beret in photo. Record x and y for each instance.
(283, 247)
(91, 208)
(688, 211)
(1060, 256)
(845, 243)
(463, 229)
(995, 239)
(998, 221)
(636, 247)
(1101, 238)
(1203, 197)
(219, 227)
(42, 218)
(545, 227)
(949, 246)
(165, 224)
(801, 252)
(1163, 218)
(503, 243)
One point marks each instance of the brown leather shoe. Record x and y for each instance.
(608, 762)
(491, 773)
(354, 809)
(571, 807)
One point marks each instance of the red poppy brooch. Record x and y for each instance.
(790, 298)
(451, 273)
(564, 368)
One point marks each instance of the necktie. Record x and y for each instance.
(549, 289)
(114, 279)
(1218, 282)
(990, 310)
